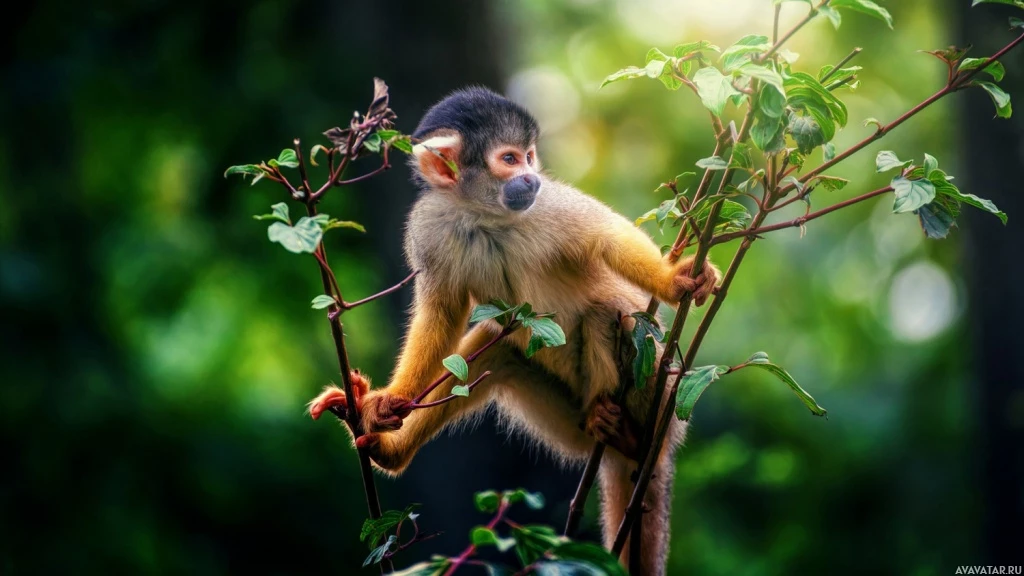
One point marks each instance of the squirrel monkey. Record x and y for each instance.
(490, 225)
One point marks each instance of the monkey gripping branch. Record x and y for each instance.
(788, 115)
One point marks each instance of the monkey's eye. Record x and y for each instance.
(529, 158)
(509, 159)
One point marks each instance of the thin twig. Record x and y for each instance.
(840, 64)
(471, 549)
(450, 397)
(440, 379)
(395, 288)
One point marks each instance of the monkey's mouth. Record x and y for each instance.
(521, 192)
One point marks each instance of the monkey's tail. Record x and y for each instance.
(616, 489)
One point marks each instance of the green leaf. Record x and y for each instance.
(714, 89)
(373, 142)
(322, 301)
(377, 554)
(591, 558)
(1016, 22)
(887, 160)
(646, 333)
(533, 541)
(831, 183)
(436, 567)
(245, 170)
(713, 163)
(279, 212)
(305, 236)
(535, 500)
(457, 365)
(460, 390)
(911, 194)
(1017, 3)
(332, 224)
(766, 75)
(806, 133)
(313, 152)
(944, 188)
(545, 333)
(939, 217)
(760, 360)
(995, 69)
(828, 152)
(287, 158)
(878, 125)
(1000, 98)
(487, 501)
(832, 14)
(483, 312)
(627, 73)
(739, 53)
(693, 384)
(930, 164)
(865, 7)
(683, 50)
(794, 182)
(374, 530)
(771, 102)
(483, 536)
(764, 131)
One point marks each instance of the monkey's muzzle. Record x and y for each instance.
(520, 192)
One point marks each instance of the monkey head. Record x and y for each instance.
(482, 147)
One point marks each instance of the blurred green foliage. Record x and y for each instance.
(158, 350)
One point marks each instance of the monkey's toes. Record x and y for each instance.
(331, 397)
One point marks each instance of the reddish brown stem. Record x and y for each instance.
(750, 232)
(384, 166)
(440, 380)
(395, 288)
(450, 397)
(471, 549)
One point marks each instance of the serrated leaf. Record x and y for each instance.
(304, 237)
(544, 333)
(995, 69)
(938, 217)
(944, 188)
(760, 360)
(831, 183)
(322, 301)
(764, 131)
(1000, 98)
(457, 365)
(373, 143)
(374, 529)
(771, 102)
(865, 7)
(887, 160)
(911, 194)
(693, 384)
(714, 89)
(806, 133)
(487, 311)
(713, 163)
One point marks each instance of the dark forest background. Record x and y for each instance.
(158, 351)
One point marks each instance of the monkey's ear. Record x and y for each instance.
(436, 160)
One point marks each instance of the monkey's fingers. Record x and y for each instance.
(331, 397)
(360, 383)
(368, 441)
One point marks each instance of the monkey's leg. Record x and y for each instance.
(392, 451)
(616, 489)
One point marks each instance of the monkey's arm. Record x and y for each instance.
(632, 254)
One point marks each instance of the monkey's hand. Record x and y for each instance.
(333, 398)
(607, 423)
(701, 287)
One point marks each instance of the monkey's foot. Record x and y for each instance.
(383, 412)
(702, 286)
(607, 424)
(333, 398)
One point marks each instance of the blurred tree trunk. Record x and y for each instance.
(993, 155)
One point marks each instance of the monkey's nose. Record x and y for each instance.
(531, 180)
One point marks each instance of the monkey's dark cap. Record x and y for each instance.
(483, 119)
